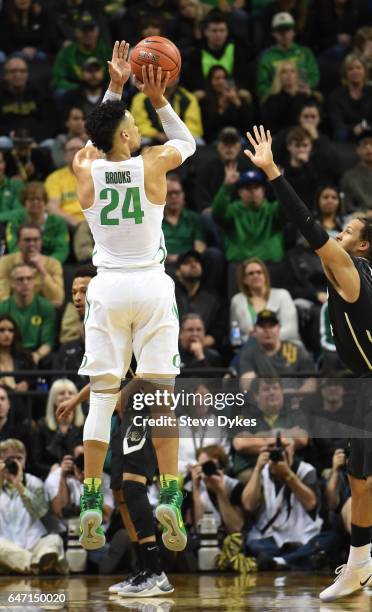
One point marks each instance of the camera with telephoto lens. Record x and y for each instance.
(277, 453)
(11, 466)
(209, 468)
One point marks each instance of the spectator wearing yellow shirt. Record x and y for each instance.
(182, 101)
(61, 186)
(48, 273)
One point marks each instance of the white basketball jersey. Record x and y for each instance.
(126, 227)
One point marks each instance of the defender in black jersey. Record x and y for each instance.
(347, 264)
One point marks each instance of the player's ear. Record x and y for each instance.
(124, 135)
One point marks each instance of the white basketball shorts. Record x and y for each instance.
(131, 311)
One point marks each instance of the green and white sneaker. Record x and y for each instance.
(91, 532)
(169, 516)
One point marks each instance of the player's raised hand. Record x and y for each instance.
(153, 85)
(262, 156)
(119, 66)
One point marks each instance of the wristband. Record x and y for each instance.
(111, 96)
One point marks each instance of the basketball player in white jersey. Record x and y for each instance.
(130, 303)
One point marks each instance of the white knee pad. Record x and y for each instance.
(98, 422)
(103, 383)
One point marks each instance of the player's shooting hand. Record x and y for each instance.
(119, 66)
(262, 156)
(65, 408)
(153, 85)
(231, 173)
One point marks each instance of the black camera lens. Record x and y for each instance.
(276, 455)
(209, 468)
(11, 466)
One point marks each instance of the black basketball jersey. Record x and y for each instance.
(352, 323)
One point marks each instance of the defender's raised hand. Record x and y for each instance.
(119, 66)
(261, 143)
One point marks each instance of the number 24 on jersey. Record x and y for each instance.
(131, 208)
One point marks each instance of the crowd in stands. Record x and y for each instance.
(251, 295)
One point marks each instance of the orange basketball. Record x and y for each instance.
(157, 51)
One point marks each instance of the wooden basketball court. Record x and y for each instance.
(264, 592)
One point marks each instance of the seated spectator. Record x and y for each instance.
(74, 311)
(198, 435)
(356, 183)
(55, 239)
(75, 128)
(66, 71)
(48, 277)
(213, 491)
(272, 415)
(256, 295)
(268, 356)
(216, 48)
(193, 297)
(145, 12)
(287, 94)
(363, 47)
(10, 190)
(303, 169)
(287, 530)
(25, 161)
(70, 355)
(21, 105)
(296, 8)
(182, 101)
(209, 175)
(323, 151)
(193, 353)
(64, 485)
(183, 232)
(61, 186)
(83, 243)
(283, 29)
(332, 25)
(13, 356)
(56, 437)
(25, 546)
(337, 491)
(64, 15)
(91, 88)
(330, 420)
(189, 25)
(328, 209)
(12, 421)
(350, 105)
(25, 29)
(224, 105)
(34, 315)
(253, 226)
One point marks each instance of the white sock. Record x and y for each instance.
(280, 561)
(359, 555)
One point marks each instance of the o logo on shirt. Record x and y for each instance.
(36, 320)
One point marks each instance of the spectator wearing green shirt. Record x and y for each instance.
(283, 30)
(10, 205)
(54, 231)
(183, 232)
(34, 315)
(66, 72)
(253, 226)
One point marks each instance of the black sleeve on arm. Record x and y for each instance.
(299, 214)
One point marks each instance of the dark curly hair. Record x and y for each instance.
(102, 123)
(366, 234)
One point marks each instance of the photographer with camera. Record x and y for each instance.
(215, 492)
(25, 546)
(337, 490)
(283, 493)
(63, 488)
